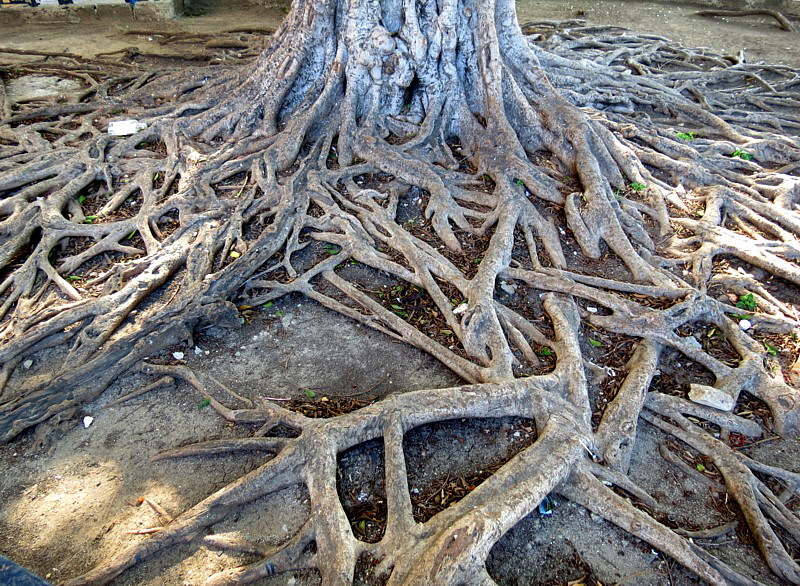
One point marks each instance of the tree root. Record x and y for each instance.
(783, 22)
(558, 211)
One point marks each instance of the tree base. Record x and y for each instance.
(572, 240)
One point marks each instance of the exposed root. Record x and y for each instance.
(554, 217)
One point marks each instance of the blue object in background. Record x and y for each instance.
(546, 506)
(12, 574)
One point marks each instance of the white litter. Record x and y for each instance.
(198, 350)
(178, 355)
(87, 421)
(591, 309)
(125, 127)
(28, 363)
(460, 309)
(745, 324)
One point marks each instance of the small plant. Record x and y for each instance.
(742, 155)
(267, 305)
(75, 277)
(519, 182)
(638, 187)
(747, 302)
(688, 136)
(132, 234)
(81, 198)
(310, 394)
(204, 403)
(771, 350)
(595, 343)
(399, 311)
(331, 249)
(89, 219)
(544, 351)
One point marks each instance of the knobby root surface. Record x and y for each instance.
(590, 201)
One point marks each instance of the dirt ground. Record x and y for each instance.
(71, 498)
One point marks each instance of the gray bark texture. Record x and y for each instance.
(536, 149)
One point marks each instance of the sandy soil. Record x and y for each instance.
(70, 498)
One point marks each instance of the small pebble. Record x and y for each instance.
(510, 289)
(197, 350)
(28, 363)
(178, 355)
(87, 421)
(591, 309)
(745, 324)
(460, 309)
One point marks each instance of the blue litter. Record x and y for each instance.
(546, 506)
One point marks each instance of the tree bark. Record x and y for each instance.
(449, 101)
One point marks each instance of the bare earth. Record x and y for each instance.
(73, 498)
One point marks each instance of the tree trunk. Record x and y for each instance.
(353, 108)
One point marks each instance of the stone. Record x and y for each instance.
(711, 397)
(692, 341)
(510, 289)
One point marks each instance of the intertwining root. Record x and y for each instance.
(577, 186)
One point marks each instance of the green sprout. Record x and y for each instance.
(742, 155)
(747, 302)
(688, 136)
(638, 187)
